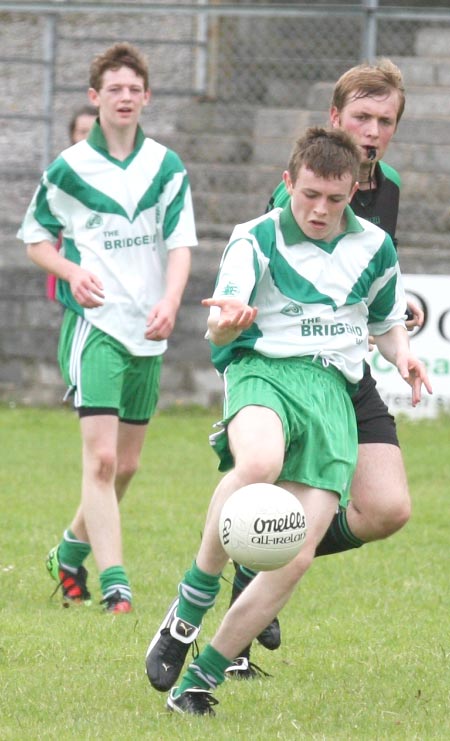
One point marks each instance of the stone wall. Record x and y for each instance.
(234, 158)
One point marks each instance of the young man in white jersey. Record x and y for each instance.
(297, 293)
(123, 204)
(368, 101)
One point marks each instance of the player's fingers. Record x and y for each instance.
(221, 302)
(417, 390)
(96, 285)
(426, 382)
(244, 316)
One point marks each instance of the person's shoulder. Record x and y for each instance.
(379, 235)
(257, 227)
(77, 152)
(162, 153)
(62, 162)
(390, 173)
(152, 145)
(268, 218)
(280, 197)
(369, 226)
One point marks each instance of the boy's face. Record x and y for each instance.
(318, 203)
(121, 98)
(371, 121)
(83, 125)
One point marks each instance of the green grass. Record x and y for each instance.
(365, 652)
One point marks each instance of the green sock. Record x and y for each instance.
(115, 579)
(242, 578)
(72, 552)
(207, 671)
(338, 537)
(197, 593)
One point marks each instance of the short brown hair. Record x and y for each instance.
(119, 55)
(329, 153)
(366, 80)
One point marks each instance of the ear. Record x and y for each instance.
(93, 96)
(288, 182)
(353, 191)
(335, 117)
(147, 96)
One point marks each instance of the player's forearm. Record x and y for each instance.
(393, 344)
(48, 258)
(177, 274)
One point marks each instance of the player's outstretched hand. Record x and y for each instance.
(234, 314)
(413, 371)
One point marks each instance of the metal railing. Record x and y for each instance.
(233, 50)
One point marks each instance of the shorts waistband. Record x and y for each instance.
(317, 362)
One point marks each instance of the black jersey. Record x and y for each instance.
(380, 205)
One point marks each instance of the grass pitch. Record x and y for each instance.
(365, 652)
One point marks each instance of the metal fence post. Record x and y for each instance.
(369, 36)
(48, 85)
(201, 52)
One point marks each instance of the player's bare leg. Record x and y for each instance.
(380, 502)
(258, 459)
(129, 447)
(98, 497)
(270, 590)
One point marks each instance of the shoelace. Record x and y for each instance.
(113, 599)
(245, 667)
(78, 580)
(255, 669)
(202, 702)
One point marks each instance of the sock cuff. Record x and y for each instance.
(72, 552)
(114, 573)
(247, 572)
(212, 656)
(207, 671)
(114, 579)
(345, 529)
(197, 592)
(70, 537)
(201, 577)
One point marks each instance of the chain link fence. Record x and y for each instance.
(258, 54)
(233, 84)
(215, 69)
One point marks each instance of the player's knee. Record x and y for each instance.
(261, 471)
(394, 514)
(127, 469)
(398, 515)
(105, 465)
(299, 565)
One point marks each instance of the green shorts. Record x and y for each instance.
(315, 408)
(102, 375)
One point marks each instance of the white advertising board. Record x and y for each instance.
(431, 343)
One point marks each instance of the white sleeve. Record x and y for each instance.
(237, 275)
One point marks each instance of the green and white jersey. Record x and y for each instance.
(314, 298)
(118, 220)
